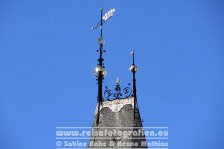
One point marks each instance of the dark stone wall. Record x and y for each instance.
(121, 121)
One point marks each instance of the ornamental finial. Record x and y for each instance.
(133, 67)
(132, 52)
(118, 81)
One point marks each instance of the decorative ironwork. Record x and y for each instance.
(107, 93)
(118, 93)
(128, 91)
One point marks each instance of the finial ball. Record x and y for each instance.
(133, 68)
(100, 71)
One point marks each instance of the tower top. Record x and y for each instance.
(119, 110)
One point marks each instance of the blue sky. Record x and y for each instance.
(48, 53)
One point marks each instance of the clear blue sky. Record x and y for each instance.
(48, 53)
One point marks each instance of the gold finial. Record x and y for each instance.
(100, 40)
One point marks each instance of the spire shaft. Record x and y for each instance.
(101, 23)
(100, 77)
(100, 71)
(134, 69)
(134, 85)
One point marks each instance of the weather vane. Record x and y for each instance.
(104, 18)
(100, 71)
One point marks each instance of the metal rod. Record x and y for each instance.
(134, 69)
(134, 93)
(133, 58)
(101, 24)
(100, 77)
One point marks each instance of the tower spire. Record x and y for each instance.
(100, 70)
(134, 69)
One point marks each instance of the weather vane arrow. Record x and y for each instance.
(108, 15)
